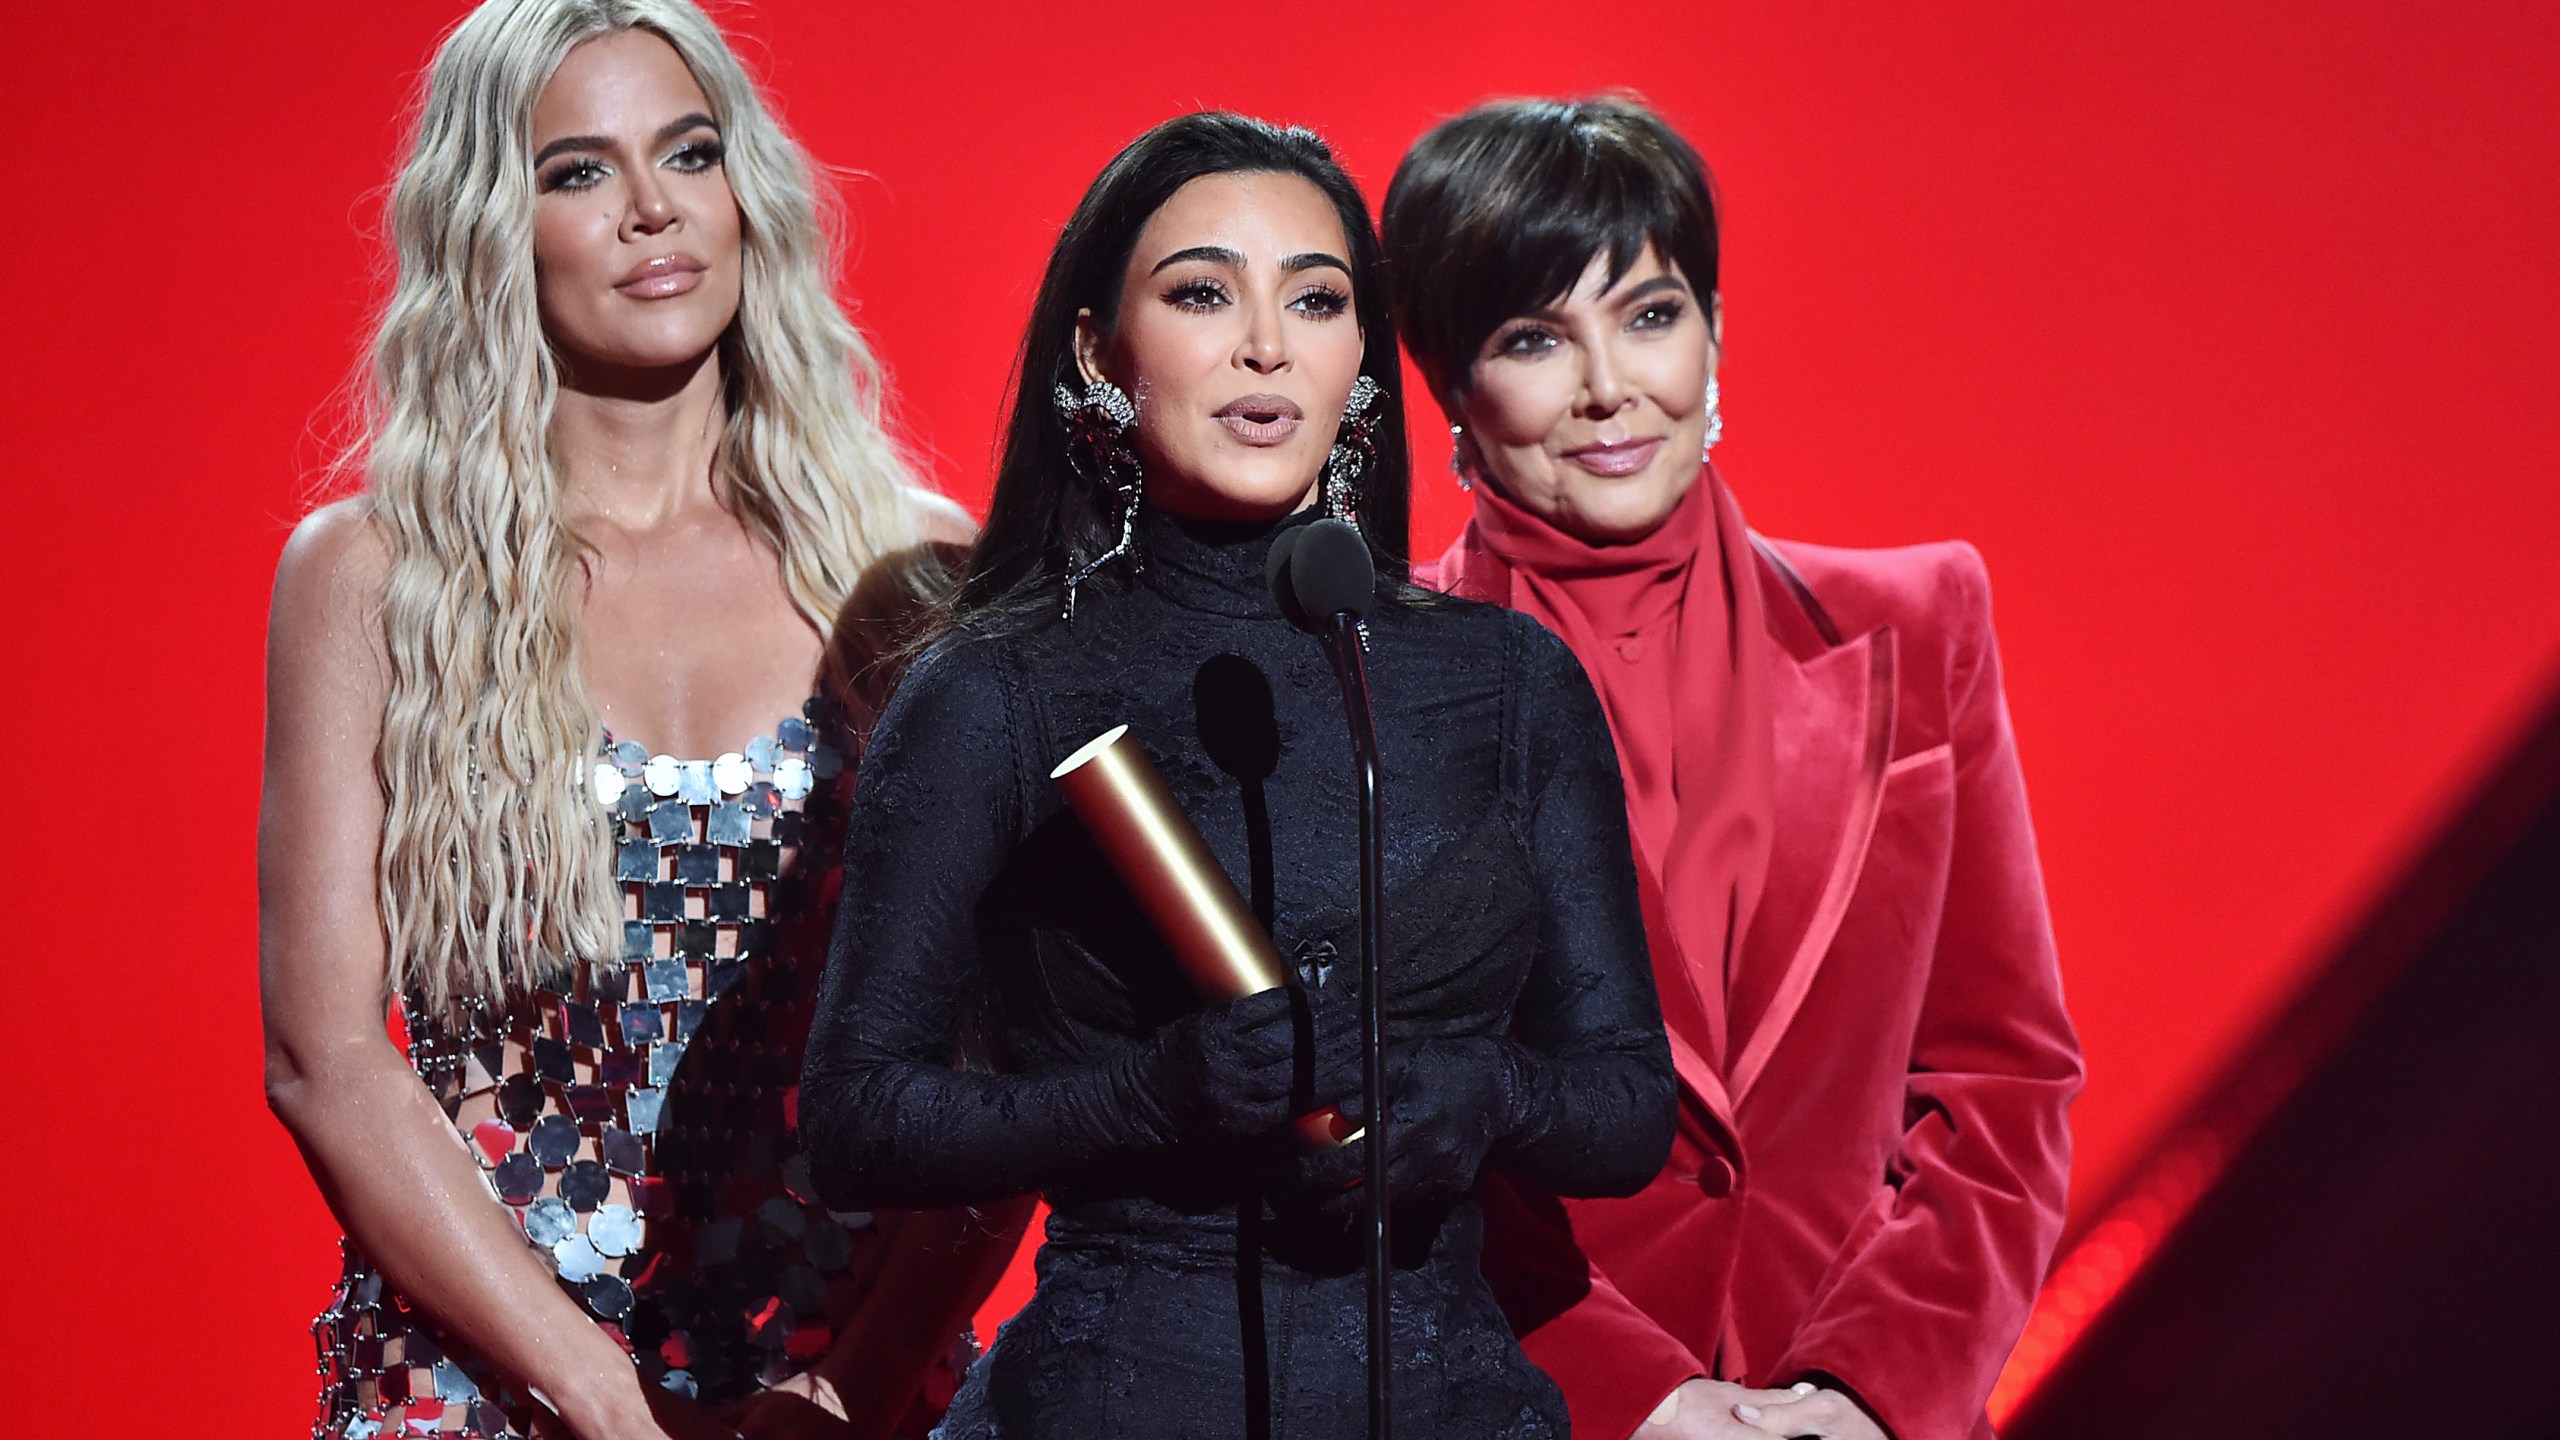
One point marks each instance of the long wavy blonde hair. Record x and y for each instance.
(495, 869)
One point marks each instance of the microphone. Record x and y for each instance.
(1323, 578)
(1320, 571)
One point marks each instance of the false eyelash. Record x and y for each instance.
(565, 177)
(709, 152)
(1336, 302)
(1197, 295)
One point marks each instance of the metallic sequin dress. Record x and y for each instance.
(641, 1125)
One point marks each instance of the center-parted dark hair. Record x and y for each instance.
(1044, 518)
(1499, 211)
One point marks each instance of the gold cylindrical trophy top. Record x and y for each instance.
(1158, 853)
(1160, 856)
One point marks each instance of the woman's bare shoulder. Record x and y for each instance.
(338, 542)
(329, 585)
(940, 518)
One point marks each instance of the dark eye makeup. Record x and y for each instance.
(1197, 296)
(1529, 339)
(697, 155)
(580, 173)
(1322, 302)
(1523, 340)
(1657, 315)
(583, 172)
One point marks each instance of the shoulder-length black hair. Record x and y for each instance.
(1499, 211)
(1044, 519)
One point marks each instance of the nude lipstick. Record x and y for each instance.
(661, 277)
(1261, 420)
(1616, 459)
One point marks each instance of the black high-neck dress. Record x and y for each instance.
(1190, 1288)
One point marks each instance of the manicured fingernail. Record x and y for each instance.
(1747, 1412)
(1802, 1387)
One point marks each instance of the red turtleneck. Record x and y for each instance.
(1666, 626)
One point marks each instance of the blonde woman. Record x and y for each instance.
(560, 722)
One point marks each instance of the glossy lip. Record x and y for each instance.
(661, 277)
(1261, 419)
(1616, 459)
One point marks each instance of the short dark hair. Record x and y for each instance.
(1044, 518)
(1499, 211)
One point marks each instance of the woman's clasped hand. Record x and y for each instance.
(1449, 1103)
(1245, 1069)
(1721, 1410)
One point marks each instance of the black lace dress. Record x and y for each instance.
(1195, 1287)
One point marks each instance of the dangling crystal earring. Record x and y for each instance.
(1355, 449)
(1458, 456)
(1715, 418)
(1098, 446)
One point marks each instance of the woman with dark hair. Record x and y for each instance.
(1206, 368)
(1847, 922)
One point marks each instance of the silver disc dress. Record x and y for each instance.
(640, 1123)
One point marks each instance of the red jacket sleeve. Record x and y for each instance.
(1613, 1362)
(1921, 1307)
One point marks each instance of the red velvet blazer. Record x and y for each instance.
(1868, 1194)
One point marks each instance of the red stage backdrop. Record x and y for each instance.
(2224, 331)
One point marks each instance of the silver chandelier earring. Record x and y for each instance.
(1355, 449)
(1458, 457)
(1715, 418)
(1099, 447)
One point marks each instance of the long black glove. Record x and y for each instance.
(1243, 1069)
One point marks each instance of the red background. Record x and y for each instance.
(2225, 331)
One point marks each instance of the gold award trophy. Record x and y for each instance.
(1185, 892)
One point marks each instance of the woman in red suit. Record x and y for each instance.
(1848, 923)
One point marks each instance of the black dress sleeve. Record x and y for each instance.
(1590, 1075)
(888, 1119)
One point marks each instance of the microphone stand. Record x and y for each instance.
(1323, 578)
(1342, 646)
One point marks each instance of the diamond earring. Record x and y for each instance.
(1356, 449)
(1098, 445)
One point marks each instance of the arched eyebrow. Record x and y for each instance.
(1234, 259)
(673, 128)
(1214, 254)
(1654, 286)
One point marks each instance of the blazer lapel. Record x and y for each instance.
(1834, 705)
(1692, 1014)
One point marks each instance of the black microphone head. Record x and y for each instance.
(1330, 571)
